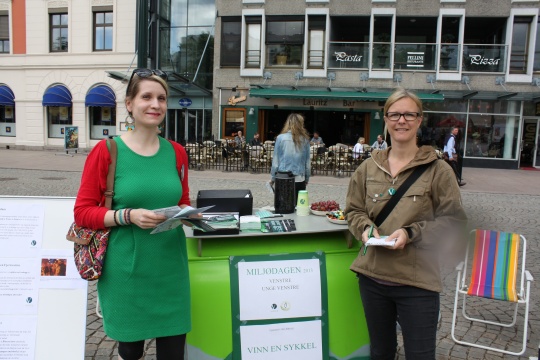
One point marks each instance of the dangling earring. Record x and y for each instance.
(130, 123)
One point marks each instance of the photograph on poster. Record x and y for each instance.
(105, 114)
(63, 113)
(8, 112)
(19, 285)
(18, 334)
(22, 229)
(53, 267)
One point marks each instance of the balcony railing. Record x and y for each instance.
(484, 58)
(415, 57)
(348, 55)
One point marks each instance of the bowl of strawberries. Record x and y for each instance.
(320, 208)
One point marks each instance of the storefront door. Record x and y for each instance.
(530, 139)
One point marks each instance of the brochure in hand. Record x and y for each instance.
(380, 241)
(176, 215)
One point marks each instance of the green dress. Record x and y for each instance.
(144, 287)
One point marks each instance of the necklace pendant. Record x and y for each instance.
(391, 191)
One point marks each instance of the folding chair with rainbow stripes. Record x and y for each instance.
(496, 267)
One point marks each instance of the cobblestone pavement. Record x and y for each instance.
(509, 208)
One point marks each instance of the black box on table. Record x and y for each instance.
(240, 201)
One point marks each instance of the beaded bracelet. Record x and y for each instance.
(114, 217)
(124, 213)
(128, 214)
(120, 217)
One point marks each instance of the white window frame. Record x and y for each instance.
(451, 76)
(252, 71)
(382, 74)
(316, 72)
(527, 77)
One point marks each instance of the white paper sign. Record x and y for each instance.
(17, 337)
(21, 229)
(285, 341)
(19, 279)
(279, 289)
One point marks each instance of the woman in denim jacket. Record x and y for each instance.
(291, 152)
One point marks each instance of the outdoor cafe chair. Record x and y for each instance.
(494, 270)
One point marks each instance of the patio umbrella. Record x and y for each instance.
(451, 121)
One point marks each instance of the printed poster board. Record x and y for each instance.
(46, 315)
(280, 307)
(71, 138)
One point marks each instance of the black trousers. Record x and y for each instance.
(167, 348)
(417, 310)
(454, 165)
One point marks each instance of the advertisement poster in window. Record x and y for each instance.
(71, 137)
(63, 113)
(8, 113)
(106, 114)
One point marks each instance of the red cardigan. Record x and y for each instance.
(88, 212)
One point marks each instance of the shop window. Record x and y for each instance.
(231, 41)
(103, 31)
(103, 121)
(233, 121)
(7, 120)
(58, 32)
(253, 41)
(284, 41)
(317, 37)
(415, 47)
(484, 48)
(521, 34)
(4, 34)
(492, 136)
(58, 117)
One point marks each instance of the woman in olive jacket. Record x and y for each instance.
(402, 281)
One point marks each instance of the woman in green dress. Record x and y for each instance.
(144, 287)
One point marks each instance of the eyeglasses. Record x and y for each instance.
(408, 116)
(144, 73)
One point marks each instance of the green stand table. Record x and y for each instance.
(211, 336)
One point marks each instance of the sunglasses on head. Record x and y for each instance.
(144, 73)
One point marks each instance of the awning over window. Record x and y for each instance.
(101, 96)
(332, 95)
(7, 98)
(57, 95)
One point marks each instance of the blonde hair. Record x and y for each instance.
(295, 124)
(361, 140)
(401, 93)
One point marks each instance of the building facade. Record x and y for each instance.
(245, 65)
(54, 70)
(475, 66)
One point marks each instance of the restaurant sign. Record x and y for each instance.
(415, 59)
(344, 57)
(480, 60)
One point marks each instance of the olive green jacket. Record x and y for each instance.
(430, 211)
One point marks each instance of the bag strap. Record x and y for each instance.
(109, 193)
(419, 170)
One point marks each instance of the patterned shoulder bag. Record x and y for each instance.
(91, 245)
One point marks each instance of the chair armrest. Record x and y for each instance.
(528, 276)
(459, 266)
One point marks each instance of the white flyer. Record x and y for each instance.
(19, 281)
(21, 229)
(18, 337)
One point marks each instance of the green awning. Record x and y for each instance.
(270, 93)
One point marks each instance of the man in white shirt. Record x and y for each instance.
(450, 154)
